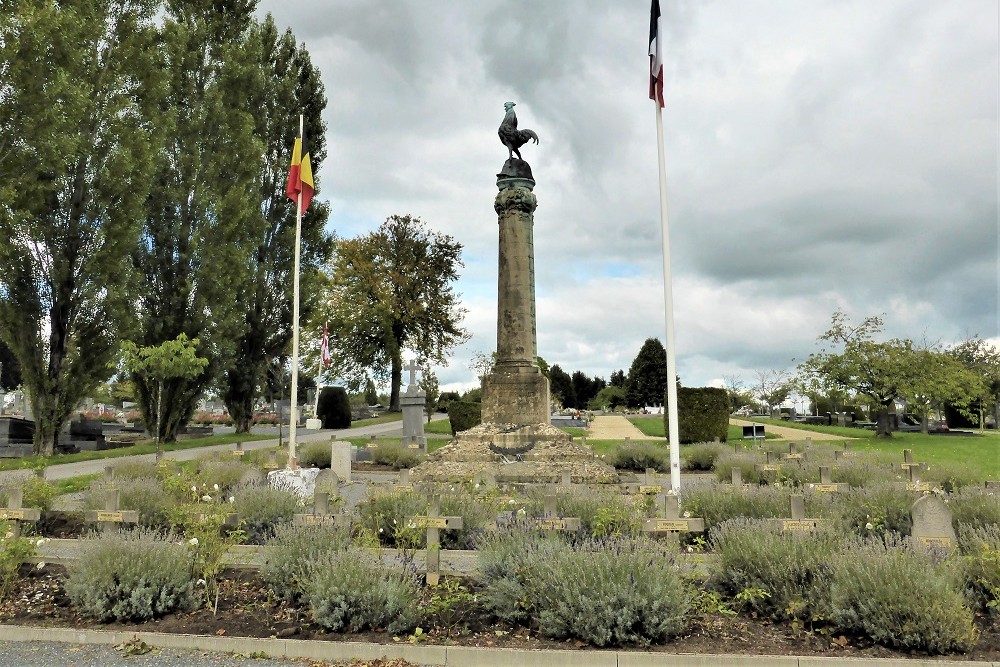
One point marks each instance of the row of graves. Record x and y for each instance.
(333, 499)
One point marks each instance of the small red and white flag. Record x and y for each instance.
(324, 347)
(656, 53)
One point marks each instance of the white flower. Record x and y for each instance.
(511, 501)
(477, 485)
(232, 499)
(380, 530)
(200, 582)
(206, 498)
(690, 549)
(215, 486)
(193, 541)
(521, 512)
(9, 535)
(40, 565)
(194, 488)
(869, 526)
(41, 541)
(687, 515)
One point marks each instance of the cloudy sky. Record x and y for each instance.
(821, 154)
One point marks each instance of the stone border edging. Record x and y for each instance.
(452, 656)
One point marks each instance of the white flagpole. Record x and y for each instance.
(668, 306)
(294, 412)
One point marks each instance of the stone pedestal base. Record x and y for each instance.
(412, 404)
(516, 395)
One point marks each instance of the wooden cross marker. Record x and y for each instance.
(15, 513)
(770, 464)
(649, 484)
(238, 452)
(798, 522)
(914, 483)
(845, 453)
(737, 477)
(550, 517)
(321, 515)
(111, 516)
(434, 523)
(371, 442)
(672, 521)
(826, 484)
(908, 462)
(404, 481)
(794, 454)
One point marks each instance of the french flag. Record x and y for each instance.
(655, 54)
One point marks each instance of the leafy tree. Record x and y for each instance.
(371, 396)
(77, 86)
(391, 290)
(937, 378)
(878, 370)
(432, 389)
(561, 387)
(618, 379)
(10, 370)
(647, 376)
(585, 388)
(284, 83)
(172, 359)
(983, 359)
(608, 398)
(204, 219)
(772, 387)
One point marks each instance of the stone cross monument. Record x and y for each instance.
(412, 403)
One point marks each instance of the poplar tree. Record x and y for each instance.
(647, 376)
(77, 82)
(285, 84)
(203, 221)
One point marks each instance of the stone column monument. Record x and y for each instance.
(413, 402)
(515, 441)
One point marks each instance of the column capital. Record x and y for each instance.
(515, 199)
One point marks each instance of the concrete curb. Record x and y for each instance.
(452, 656)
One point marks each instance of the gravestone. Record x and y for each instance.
(932, 522)
(340, 458)
(16, 436)
(412, 403)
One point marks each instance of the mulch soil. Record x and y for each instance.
(246, 609)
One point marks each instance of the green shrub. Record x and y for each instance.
(35, 492)
(640, 455)
(952, 477)
(384, 516)
(227, 474)
(862, 473)
(604, 592)
(477, 514)
(744, 461)
(980, 549)
(875, 510)
(293, 550)
(131, 469)
(351, 590)
(702, 456)
(262, 509)
(602, 514)
(395, 456)
(702, 414)
(716, 503)
(334, 407)
(131, 576)
(900, 597)
(974, 507)
(13, 552)
(793, 568)
(463, 415)
(145, 495)
(315, 455)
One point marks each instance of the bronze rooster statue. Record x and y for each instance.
(510, 136)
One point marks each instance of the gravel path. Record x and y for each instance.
(791, 433)
(615, 427)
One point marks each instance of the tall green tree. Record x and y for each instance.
(983, 359)
(77, 87)
(204, 219)
(10, 369)
(390, 290)
(561, 386)
(937, 378)
(647, 376)
(881, 371)
(285, 84)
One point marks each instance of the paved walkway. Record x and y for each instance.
(787, 433)
(616, 427)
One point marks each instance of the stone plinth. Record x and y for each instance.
(412, 404)
(516, 395)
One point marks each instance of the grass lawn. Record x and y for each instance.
(383, 418)
(440, 427)
(654, 426)
(143, 447)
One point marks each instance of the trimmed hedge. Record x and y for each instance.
(463, 415)
(703, 414)
(334, 407)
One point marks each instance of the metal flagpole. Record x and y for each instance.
(668, 306)
(294, 412)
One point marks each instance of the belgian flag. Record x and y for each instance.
(300, 175)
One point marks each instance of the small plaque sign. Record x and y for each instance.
(431, 522)
(650, 488)
(552, 524)
(678, 525)
(314, 519)
(794, 457)
(770, 467)
(918, 486)
(826, 488)
(403, 487)
(11, 514)
(109, 516)
(238, 452)
(935, 541)
(798, 524)
(414, 445)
